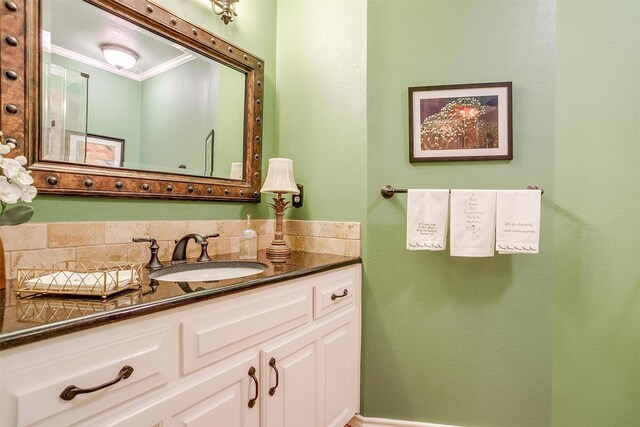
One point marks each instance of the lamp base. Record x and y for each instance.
(279, 251)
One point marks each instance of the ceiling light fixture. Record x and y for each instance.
(225, 8)
(119, 56)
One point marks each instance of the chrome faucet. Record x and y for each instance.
(180, 251)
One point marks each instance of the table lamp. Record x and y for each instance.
(280, 180)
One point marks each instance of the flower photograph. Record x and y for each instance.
(460, 122)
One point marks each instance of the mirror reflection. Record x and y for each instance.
(116, 95)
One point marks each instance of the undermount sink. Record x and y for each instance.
(208, 271)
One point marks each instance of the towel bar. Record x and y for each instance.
(388, 191)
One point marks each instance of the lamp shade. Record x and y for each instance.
(280, 177)
(236, 170)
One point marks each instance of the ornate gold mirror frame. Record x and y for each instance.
(20, 115)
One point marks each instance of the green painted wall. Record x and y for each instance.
(255, 31)
(596, 322)
(174, 117)
(218, 105)
(229, 116)
(463, 341)
(321, 104)
(544, 340)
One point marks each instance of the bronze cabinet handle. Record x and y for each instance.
(272, 363)
(72, 391)
(344, 294)
(252, 374)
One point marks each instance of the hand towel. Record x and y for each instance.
(427, 212)
(518, 221)
(473, 222)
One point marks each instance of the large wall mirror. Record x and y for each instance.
(123, 98)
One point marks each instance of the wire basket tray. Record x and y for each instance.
(88, 278)
(51, 309)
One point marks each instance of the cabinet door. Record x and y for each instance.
(289, 372)
(338, 379)
(220, 396)
(317, 375)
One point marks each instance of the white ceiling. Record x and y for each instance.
(81, 28)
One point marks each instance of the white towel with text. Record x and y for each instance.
(518, 221)
(427, 214)
(473, 223)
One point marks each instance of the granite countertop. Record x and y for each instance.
(34, 318)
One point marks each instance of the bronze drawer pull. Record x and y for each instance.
(335, 297)
(252, 374)
(72, 391)
(272, 390)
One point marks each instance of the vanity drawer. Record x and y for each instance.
(233, 324)
(216, 397)
(31, 395)
(333, 290)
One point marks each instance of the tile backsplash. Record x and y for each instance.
(42, 244)
(339, 238)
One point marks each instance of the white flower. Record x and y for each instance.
(22, 160)
(22, 178)
(29, 194)
(9, 193)
(11, 167)
(15, 181)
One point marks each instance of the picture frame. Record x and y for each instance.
(104, 151)
(74, 146)
(460, 122)
(93, 149)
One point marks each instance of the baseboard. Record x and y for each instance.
(360, 421)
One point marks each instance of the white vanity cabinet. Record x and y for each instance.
(211, 363)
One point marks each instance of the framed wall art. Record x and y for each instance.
(74, 146)
(460, 122)
(95, 150)
(104, 151)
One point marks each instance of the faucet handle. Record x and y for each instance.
(154, 263)
(145, 239)
(204, 256)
